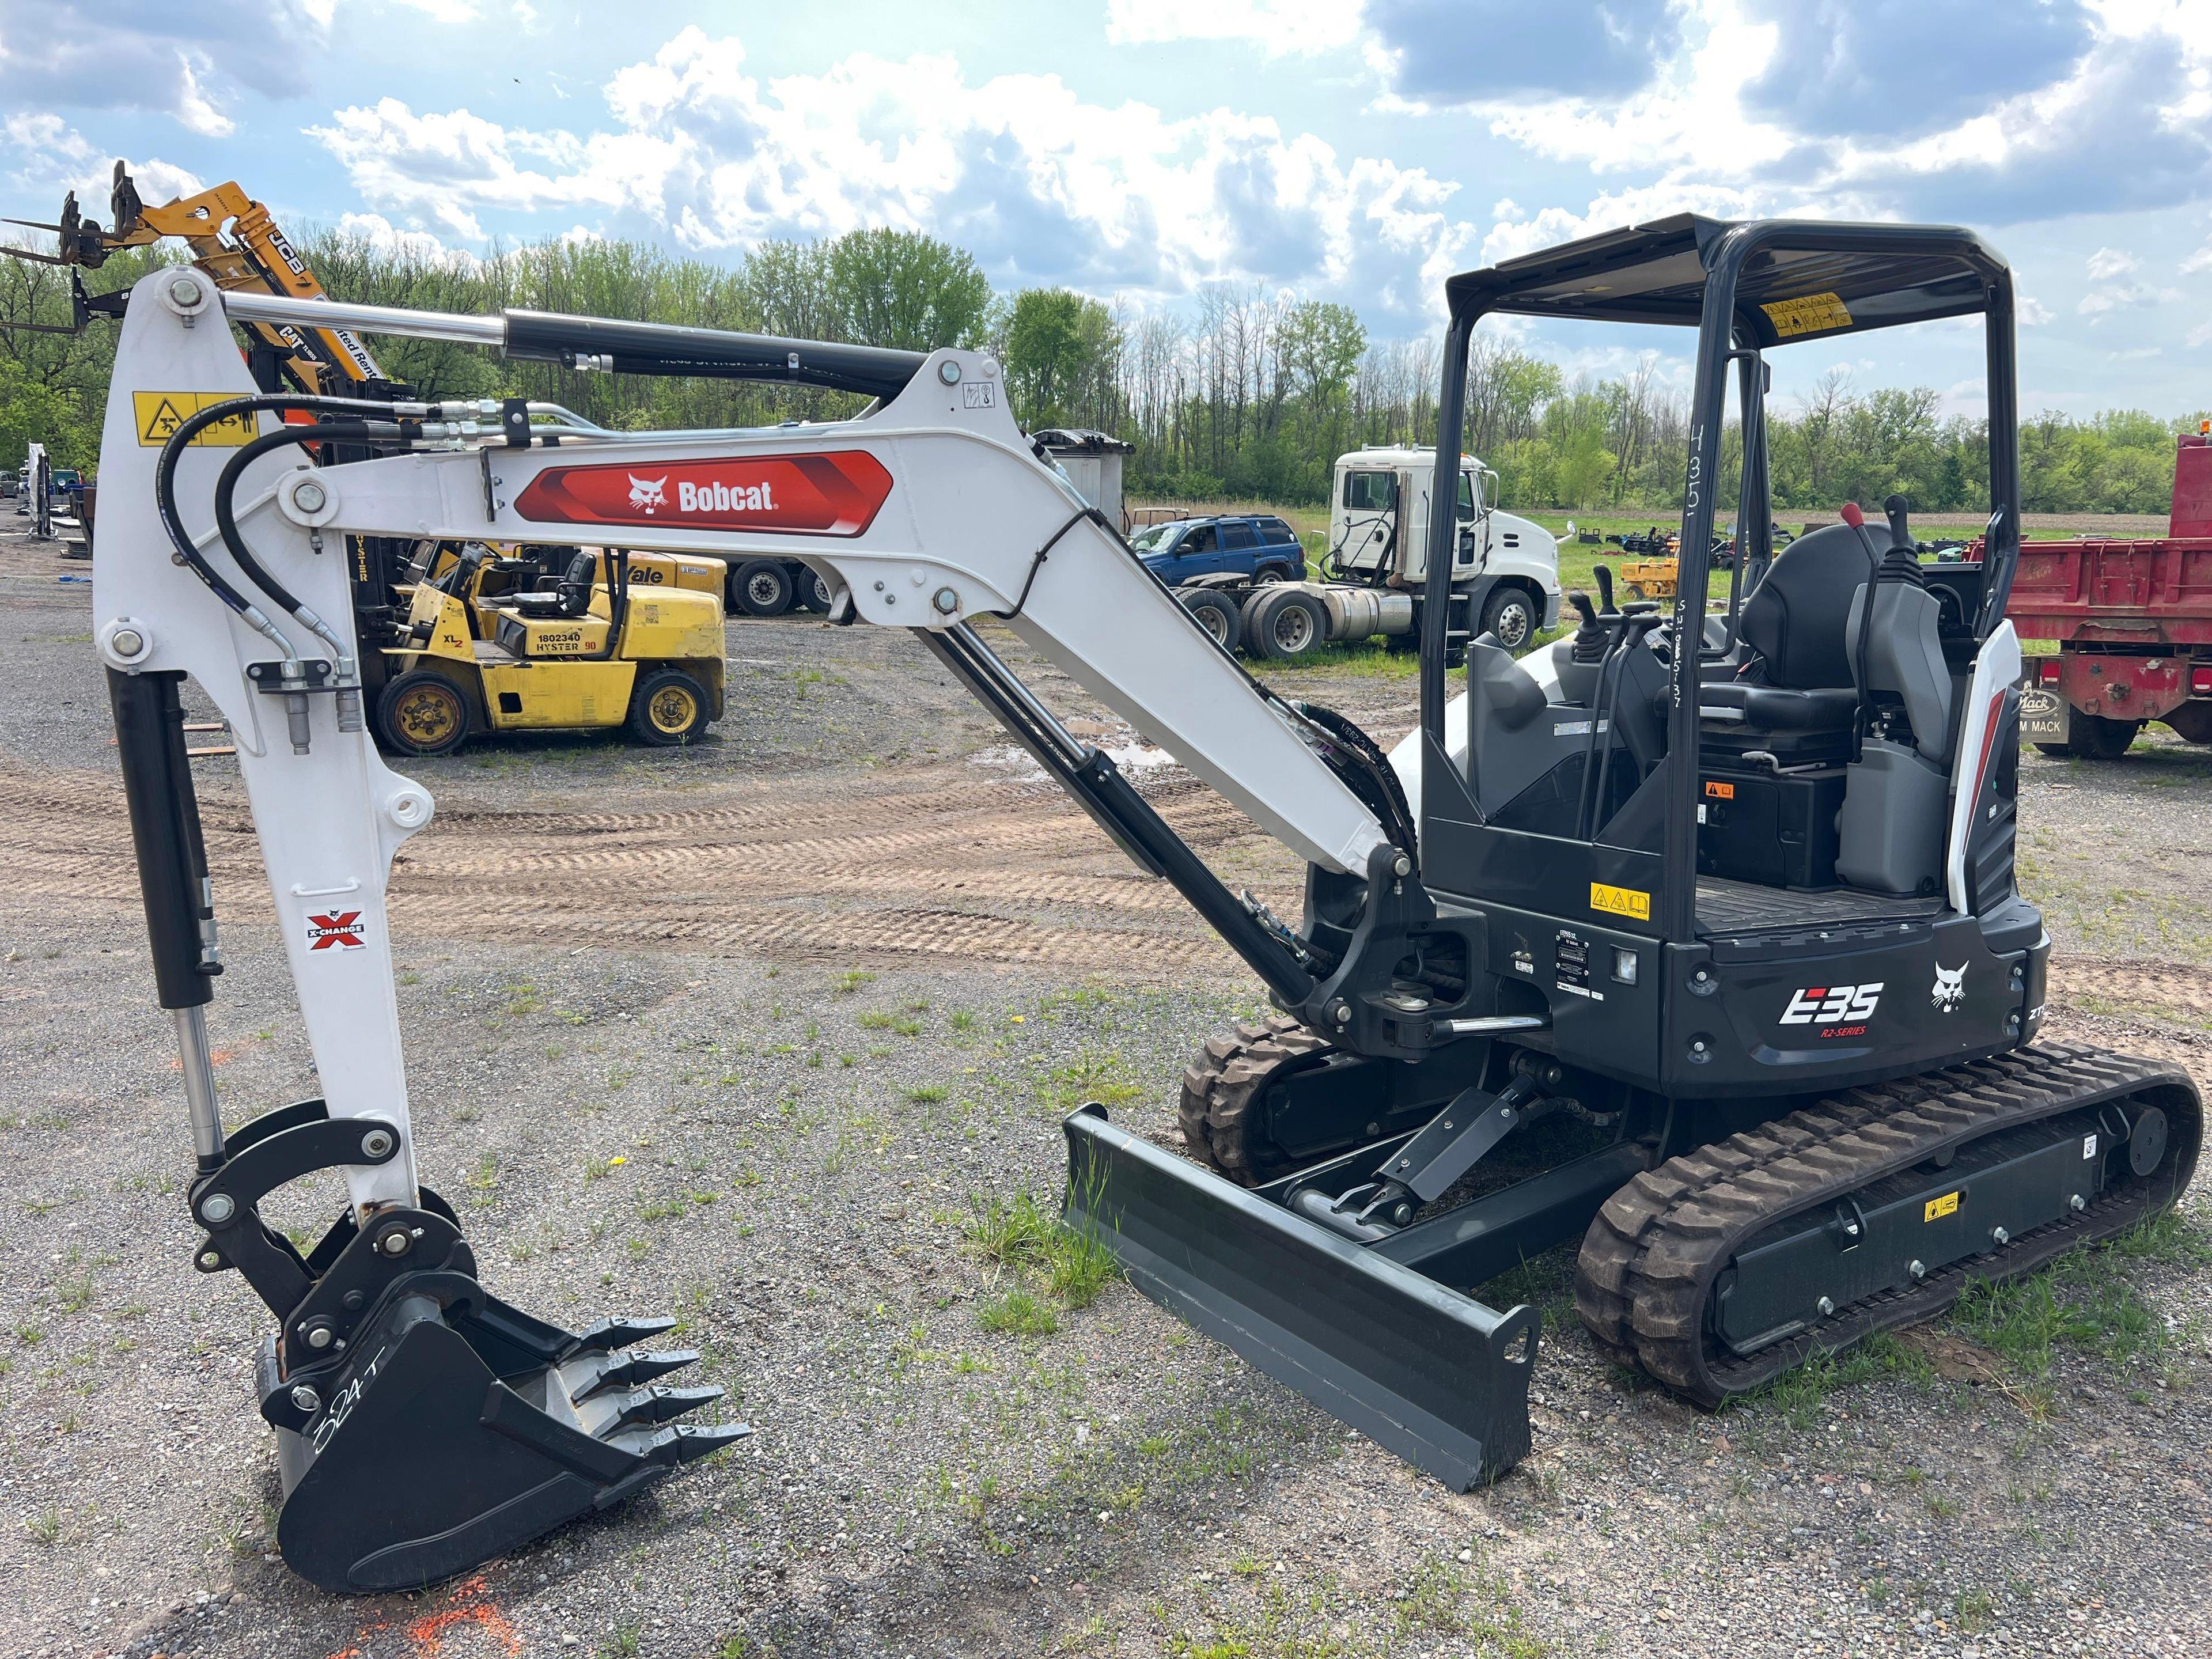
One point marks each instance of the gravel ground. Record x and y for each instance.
(802, 1133)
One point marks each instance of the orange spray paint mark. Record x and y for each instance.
(468, 1602)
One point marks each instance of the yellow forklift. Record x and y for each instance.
(546, 638)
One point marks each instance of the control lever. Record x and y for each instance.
(1605, 604)
(1894, 509)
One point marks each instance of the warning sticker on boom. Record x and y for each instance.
(1808, 313)
(159, 414)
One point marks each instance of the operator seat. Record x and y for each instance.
(1795, 697)
(570, 596)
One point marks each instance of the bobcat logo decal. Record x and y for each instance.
(647, 493)
(1950, 988)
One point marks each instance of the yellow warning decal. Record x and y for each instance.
(1808, 313)
(159, 414)
(1936, 1208)
(1620, 901)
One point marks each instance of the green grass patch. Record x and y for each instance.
(1018, 1313)
(1022, 1236)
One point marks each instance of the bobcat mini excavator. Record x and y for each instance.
(1706, 928)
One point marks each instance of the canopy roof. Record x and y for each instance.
(1867, 276)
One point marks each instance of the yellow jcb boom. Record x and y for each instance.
(234, 241)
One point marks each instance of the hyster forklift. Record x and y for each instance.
(554, 637)
(1698, 940)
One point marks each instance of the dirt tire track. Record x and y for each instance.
(937, 864)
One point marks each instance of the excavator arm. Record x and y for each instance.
(222, 559)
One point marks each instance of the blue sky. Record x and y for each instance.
(1357, 150)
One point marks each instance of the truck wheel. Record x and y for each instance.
(668, 706)
(761, 587)
(422, 713)
(2095, 738)
(814, 592)
(1511, 615)
(1217, 614)
(1286, 625)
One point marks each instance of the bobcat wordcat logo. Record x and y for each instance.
(1837, 1010)
(646, 493)
(725, 498)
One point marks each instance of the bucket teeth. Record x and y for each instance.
(620, 1332)
(587, 1374)
(684, 1444)
(658, 1405)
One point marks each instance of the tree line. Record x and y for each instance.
(1245, 394)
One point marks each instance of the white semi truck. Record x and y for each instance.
(1505, 579)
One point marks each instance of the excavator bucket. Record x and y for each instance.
(468, 1429)
(1436, 1377)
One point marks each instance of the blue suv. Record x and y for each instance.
(1262, 549)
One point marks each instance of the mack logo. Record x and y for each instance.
(1840, 1009)
(341, 931)
(836, 493)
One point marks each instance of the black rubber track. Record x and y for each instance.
(1220, 1087)
(1649, 1260)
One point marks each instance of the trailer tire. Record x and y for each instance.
(2094, 738)
(1217, 613)
(814, 592)
(1514, 618)
(1285, 623)
(423, 712)
(761, 587)
(668, 706)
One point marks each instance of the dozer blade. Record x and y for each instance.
(1434, 1376)
(454, 1433)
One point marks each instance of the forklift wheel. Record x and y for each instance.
(422, 713)
(668, 707)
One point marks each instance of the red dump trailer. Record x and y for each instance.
(2133, 620)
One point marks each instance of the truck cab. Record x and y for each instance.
(1378, 536)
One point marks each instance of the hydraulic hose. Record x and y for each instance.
(165, 498)
(226, 519)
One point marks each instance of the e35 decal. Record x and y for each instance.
(1836, 1009)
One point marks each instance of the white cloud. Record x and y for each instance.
(53, 157)
(1039, 184)
(2030, 311)
(2106, 263)
(382, 235)
(1274, 26)
(185, 61)
(2112, 275)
